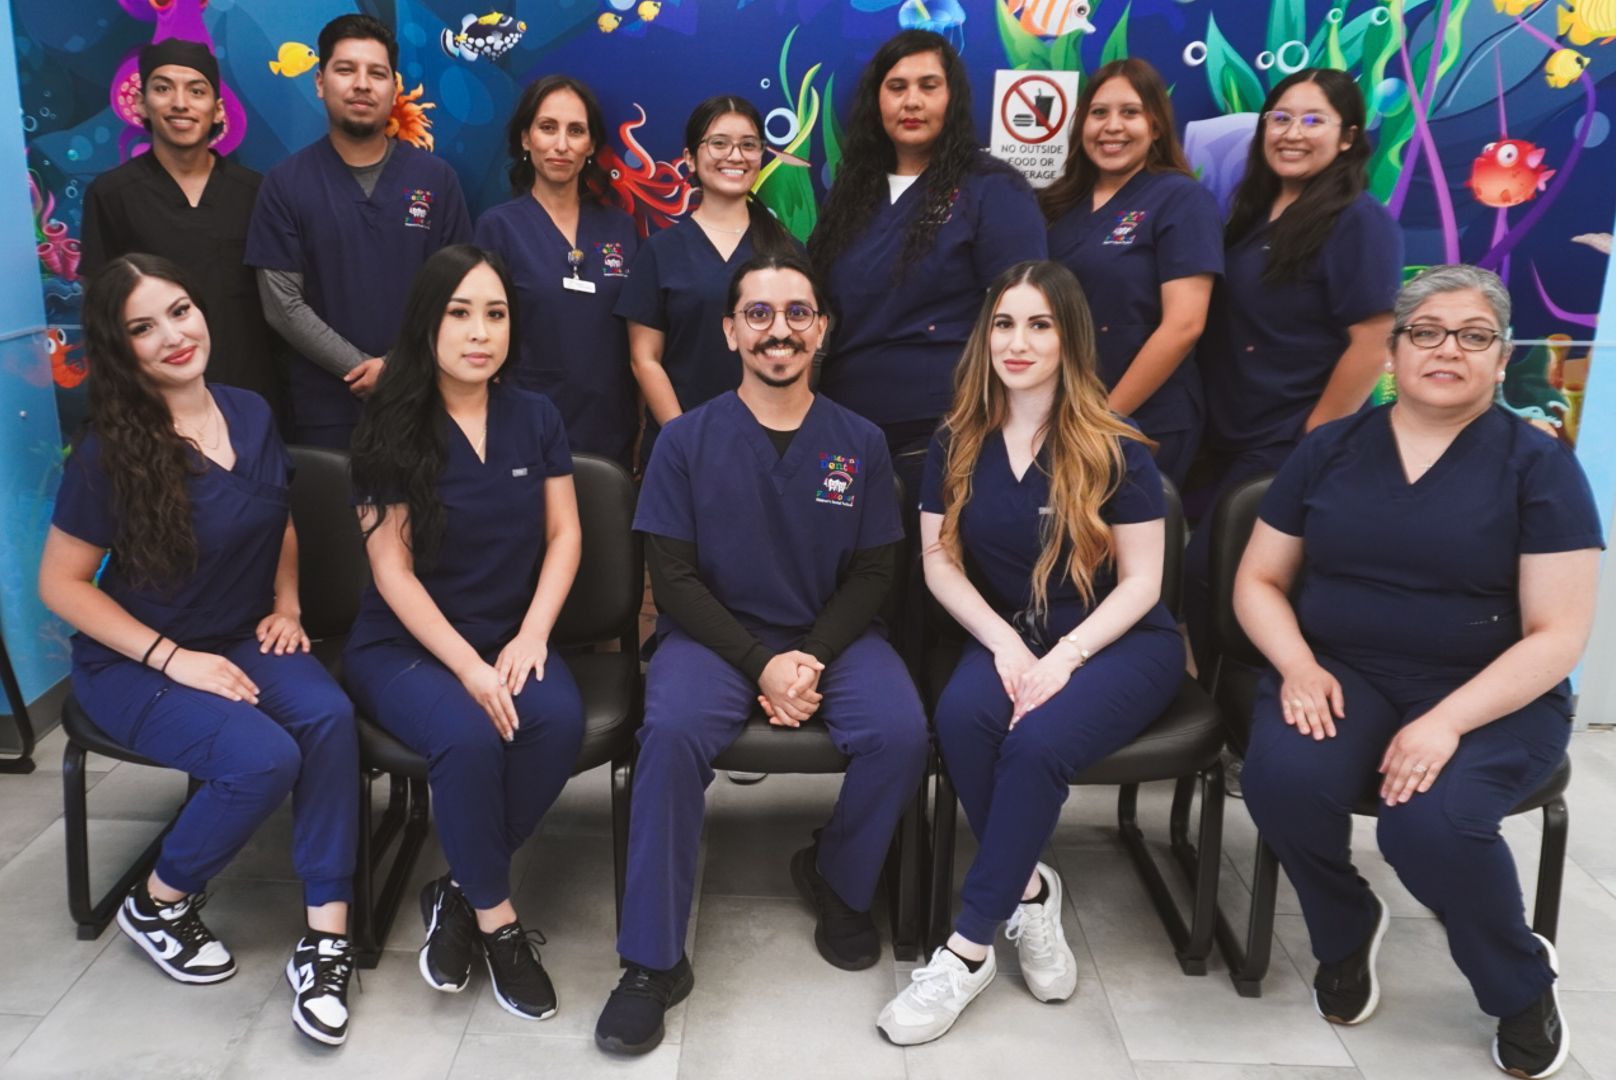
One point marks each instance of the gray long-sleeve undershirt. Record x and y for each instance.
(288, 313)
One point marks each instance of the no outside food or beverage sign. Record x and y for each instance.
(1032, 121)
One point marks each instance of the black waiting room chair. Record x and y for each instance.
(602, 607)
(1233, 678)
(1184, 745)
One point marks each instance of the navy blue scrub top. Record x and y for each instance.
(493, 531)
(1269, 349)
(572, 348)
(896, 341)
(679, 285)
(1002, 531)
(1159, 227)
(1421, 581)
(239, 517)
(773, 532)
(357, 255)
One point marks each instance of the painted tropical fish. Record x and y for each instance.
(1515, 8)
(1563, 68)
(609, 21)
(492, 36)
(649, 10)
(1583, 22)
(1508, 173)
(1052, 18)
(293, 59)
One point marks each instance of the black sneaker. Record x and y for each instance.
(451, 937)
(631, 1022)
(520, 984)
(1535, 1042)
(1347, 991)
(175, 938)
(846, 938)
(318, 971)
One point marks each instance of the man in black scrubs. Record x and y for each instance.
(192, 206)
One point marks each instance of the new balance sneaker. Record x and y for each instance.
(846, 938)
(318, 971)
(175, 937)
(1046, 959)
(521, 985)
(1347, 991)
(632, 1021)
(1535, 1042)
(451, 937)
(934, 998)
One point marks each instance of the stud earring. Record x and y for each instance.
(1499, 377)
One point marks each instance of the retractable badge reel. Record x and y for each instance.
(575, 259)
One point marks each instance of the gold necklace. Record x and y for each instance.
(720, 228)
(201, 440)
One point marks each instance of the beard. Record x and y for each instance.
(360, 129)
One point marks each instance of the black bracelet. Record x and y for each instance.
(151, 649)
(164, 669)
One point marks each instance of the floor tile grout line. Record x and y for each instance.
(1099, 976)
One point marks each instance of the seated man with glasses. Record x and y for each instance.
(772, 532)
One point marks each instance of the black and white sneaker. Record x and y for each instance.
(318, 971)
(451, 937)
(175, 937)
(521, 985)
(1347, 991)
(1535, 1043)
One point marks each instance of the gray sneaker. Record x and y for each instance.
(936, 995)
(1046, 959)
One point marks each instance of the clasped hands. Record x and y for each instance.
(1028, 680)
(790, 685)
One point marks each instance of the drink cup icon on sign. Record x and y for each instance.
(1044, 103)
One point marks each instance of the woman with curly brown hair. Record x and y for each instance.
(190, 651)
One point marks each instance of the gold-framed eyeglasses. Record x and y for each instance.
(761, 316)
(1430, 335)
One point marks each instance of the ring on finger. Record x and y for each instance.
(1296, 703)
(1421, 769)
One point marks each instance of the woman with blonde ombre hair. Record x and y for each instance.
(1054, 504)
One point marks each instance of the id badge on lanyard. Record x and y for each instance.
(575, 259)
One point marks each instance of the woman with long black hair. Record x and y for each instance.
(190, 650)
(917, 224)
(465, 494)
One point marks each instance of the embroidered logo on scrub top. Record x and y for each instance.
(941, 212)
(612, 262)
(837, 473)
(1127, 226)
(419, 213)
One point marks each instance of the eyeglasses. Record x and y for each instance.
(1430, 335)
(761, 316)
(721, 145)
(1312, 122)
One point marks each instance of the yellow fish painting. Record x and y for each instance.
(609, 21)
(293, 59)
(649, 10)
(1582, 22)
(1515, 8)
(1564, 67)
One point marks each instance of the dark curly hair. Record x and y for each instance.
(868, 156)
(593, 182)
(401, 444)
(768, 235)
(1296, 237)
(145, 459)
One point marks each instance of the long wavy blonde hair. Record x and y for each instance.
(1082, 437)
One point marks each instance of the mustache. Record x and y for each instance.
(781, 343)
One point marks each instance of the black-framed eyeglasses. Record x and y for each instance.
(1430, 335)
(761, 316)
(721, 145)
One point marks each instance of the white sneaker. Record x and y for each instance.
(934, 998)
(1046, 959)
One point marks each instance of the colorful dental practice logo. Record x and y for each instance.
(1127, 226)
(612, 261)
(836, 475)
(419, 213)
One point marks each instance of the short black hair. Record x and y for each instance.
(776, 260)
(363, 27)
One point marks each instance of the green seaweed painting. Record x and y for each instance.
(784, 185)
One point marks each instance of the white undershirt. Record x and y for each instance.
(900, 184)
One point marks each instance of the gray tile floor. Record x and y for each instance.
(765, 1005)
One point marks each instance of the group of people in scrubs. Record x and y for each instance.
(1025, 368)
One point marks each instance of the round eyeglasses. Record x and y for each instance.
(1430, 335)
(721, 145)
(761, 316)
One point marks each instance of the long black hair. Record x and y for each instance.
(768, 235)
(868, 156)
(145, 459)
(1297, 235)
(593, 182)
(401, 444)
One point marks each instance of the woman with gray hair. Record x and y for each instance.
(1421, 580)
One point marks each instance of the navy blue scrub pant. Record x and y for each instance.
(1445, 844)
(299, 738)
(695, 706)
(488, 795)
(1014, 783)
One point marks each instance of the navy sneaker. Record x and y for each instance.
(632, 1021)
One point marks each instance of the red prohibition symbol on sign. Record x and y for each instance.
(1034, 109)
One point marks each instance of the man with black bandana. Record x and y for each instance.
(191, 205)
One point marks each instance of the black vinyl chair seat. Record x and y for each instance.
(78, 726)
(763, 747)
